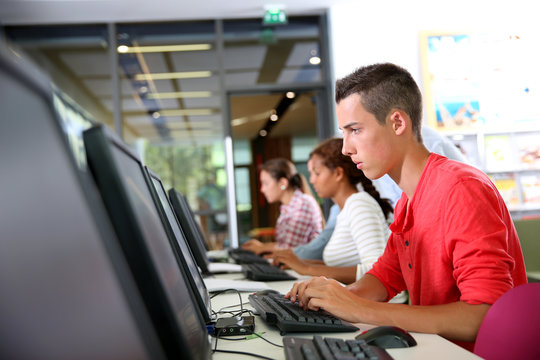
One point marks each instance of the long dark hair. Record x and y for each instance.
(282, 168)
(330, 153)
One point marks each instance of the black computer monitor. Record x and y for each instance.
(190, 227)
(66, 291)
(180, 246)
(120, 177)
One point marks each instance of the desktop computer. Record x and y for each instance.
(192, 230)
(181, 249)
(66, 290)
(253, 267)
(165, 289)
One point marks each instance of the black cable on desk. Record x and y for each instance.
(247, 338)
(244, 353)
(238, 352)
(268, 341)
(226, 290)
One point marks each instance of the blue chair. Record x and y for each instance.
(511, 327)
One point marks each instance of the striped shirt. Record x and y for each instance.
(299, 222)
(360, 235)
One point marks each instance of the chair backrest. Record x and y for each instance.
(511, 327)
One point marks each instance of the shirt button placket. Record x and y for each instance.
(409, 252)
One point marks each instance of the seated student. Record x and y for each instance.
(453, 244)
(300, 219)
(362, 225)
(313, 250)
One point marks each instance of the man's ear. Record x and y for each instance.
(399, 122)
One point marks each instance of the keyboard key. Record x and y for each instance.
(308, 353)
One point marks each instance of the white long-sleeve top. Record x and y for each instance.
(360, 235)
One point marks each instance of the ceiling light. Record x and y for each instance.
(162, 48)
(290, 94)
(274, 117)
(314, 60)
(179, 95)
(186, 112)
(263, 133)
(173, 75)
(156, 114)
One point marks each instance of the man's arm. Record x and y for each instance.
(361, 302)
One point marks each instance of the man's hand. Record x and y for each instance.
(363, 302)
(330, 295)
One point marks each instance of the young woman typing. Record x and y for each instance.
(300, 218)
(361, 231)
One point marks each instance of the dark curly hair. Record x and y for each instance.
(330, 153)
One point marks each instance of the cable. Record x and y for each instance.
(238, 352)
(239, 295)
(268, 341)
(230, 306)
(251, 336)
(244, 353)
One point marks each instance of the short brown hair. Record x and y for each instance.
(382, 88)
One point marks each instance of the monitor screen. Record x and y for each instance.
(184, 253)
(190, 227)
(66, 290)
(121, 179)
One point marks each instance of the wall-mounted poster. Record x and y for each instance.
(476, 80)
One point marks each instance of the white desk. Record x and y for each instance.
(429, 346)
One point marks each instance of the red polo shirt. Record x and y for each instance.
(456, 242)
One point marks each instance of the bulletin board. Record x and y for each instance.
(476, 80)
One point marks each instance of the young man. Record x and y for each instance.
(453, 244)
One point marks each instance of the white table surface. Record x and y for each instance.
(429, 346)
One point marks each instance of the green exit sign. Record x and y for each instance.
(274, 17)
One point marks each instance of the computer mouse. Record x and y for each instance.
(388, 337)
(266, 292)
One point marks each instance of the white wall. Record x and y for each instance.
(365, 32)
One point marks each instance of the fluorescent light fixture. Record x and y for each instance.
(179, 95)
(186, 112)
(185, 125)
(174, 75)
(123, 49)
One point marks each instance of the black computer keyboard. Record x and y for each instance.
(330, 349)
(241, 256)
(265, 272)
(289, 317)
